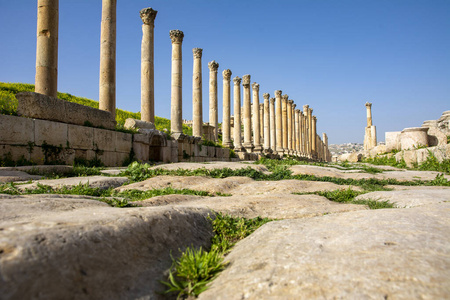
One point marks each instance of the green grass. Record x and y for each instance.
(191, 273)
(8, 106)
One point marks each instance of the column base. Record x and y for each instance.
(248, 147)
(179, 136)
(258, 149)
(227, 145)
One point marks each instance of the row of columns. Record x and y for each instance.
(274, 126)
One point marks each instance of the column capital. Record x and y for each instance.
(310, 110)
(197, 52)
(291, 102)
(368, 105)
(176, 36)
(237, 80)
(255, 86)
(297, 111)
(314, 118)
(226, 74)
(148, 15)
(266, 96)
(272, 100)
(285, 97)
(293, 105)
(213, 66)
(246, 80)
(305, 108)
(278, 93)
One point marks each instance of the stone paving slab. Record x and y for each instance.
(101, 182)
(409, 198)
(212, 165)
(369, 254)
(13, 176)
(233, 185)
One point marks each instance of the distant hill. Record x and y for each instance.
(338, 149)
(8, 105)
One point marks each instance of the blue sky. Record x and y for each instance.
(332, 55)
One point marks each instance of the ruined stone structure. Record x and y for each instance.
(370, 137)
(274, 127)
(148, 16)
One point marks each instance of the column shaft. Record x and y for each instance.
(213, 114)
(176, 86)
(296, 132)
(247, 114)
(266, 122)
(147, 66)
(289, 124)
(256, 119)
(46, 80)
(279, 122)
(226, 141)
(197, 109)
(237, 114)
(273, 131)
(285, 123)
(107, 92)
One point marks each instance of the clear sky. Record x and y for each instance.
(332, 55)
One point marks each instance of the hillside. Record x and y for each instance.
(8, 105)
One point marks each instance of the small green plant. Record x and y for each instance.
(206, 142)
(440, 180)
(137, 195)
(232, 154)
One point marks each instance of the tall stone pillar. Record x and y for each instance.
(279, 123)
(107, 93)
(46, 80)
(148, 16)
(226, 141)
(256, 120)
(247, 114)
(296, 132)
(302, 134)
(273, 131)
(266, 97)
(176, 125)
(261, 122)
(284, 100)
(310, 132)
(213, 113)
(306, 121)
(197, 109)
(237, 114)
(325, 146)
(289, 125)
(314, 135)
(370, 137)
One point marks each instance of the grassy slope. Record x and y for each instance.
(8, 105)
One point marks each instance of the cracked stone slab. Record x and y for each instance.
(212, 165)
(102, 182)
(369, 254)
(15, 175)
(409, 198)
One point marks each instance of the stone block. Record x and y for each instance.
(141, 138)
(141, 152)
(80, 137)
(436, 137)
(14, 153)
(421, 155)
(104, 140)
(16, 130)
(410, 157)
(414, 137)
(37, 155)
(142, 126)
(226, 153)
(154, 153)
(85, 154)
(166, 154)
(211, 151)
(392, 140)
(52, 133)
(113, 159)
(123, 142)
(44, 107)
(203, 151)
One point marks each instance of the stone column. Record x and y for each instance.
(266, 123)
(261, 122)
(226, 141)
(148, 16)
(314, 134)
(302, 134)
(237, 114)
(289, 125)
(46, 80)
(107, 93)
(325, 146)
(310, 132)
(273, 140)
(284, 100)
(297, 131)
(213, 114)
(306, 130)
(247, 114)
(197, 108)
(279, 123)
(176, 87)
(370, 137)
(369, 114)
(256, 120)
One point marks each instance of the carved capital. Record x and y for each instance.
(278, 93)
(148, 15)
(314, 118)
(285, 97)
(297, 111)
(368, 105)
(294, 105)
(272, 101)
(176, 36)
(226, 74)
(291, 102)
(266, 96)
(305, 108)
(237, 80)
(197, 52)
(255, 86)
(213, 66)
(246, 80)
(310, 111)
